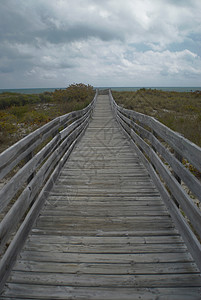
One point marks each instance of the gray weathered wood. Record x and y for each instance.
(180, 172)
(97, 293)
(22, 204)
(184, 147)
(103, 231)
(187, 204)
(184, 200)
(56, 152)
(13, 155)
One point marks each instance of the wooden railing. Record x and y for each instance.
(163, 151)
(32, 165)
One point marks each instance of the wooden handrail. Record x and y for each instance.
(34, 179)
(162, 151)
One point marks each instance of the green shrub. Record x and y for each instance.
(7, 123)
(180, 111)
(19, 111)
(45, 97)
(75, 92)
(35, 117)
(21, 114)
(13, 99)
(79, 92)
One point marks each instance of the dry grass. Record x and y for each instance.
(22, 114)
(180, 111)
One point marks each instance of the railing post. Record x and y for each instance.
(154, 135)
(179, 158)
(27, 159)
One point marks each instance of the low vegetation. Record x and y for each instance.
(179, 111)
(20, 114)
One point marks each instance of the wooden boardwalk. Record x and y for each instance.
(104, 232)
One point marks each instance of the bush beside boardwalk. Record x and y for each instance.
(21, 114)
(180, 111)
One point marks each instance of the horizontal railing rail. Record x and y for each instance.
(163, 152)
(32, 165)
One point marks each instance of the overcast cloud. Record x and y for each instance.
(52, 43)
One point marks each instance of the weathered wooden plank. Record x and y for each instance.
(187, 234)
(190, 239)
(183, 146)
(17, 181)
(15, 246)
(96, 220)
(21, 205)
(98, 227)
(10, 255)
(99, 212)
(187, 204)
(113, 200)
(98, 293)
(106, 248)
(109, 223)
(104, 182)
(144, 281)
(55, 239)
(109, 269)
(13, 155)
(104, 233)
(191, 181)
(65, 132)
(106, 258)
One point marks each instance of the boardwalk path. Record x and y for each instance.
(104, 232)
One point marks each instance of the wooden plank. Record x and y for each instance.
(191, 181)
(106, 258)
(15, 246)
(109, 269)
(93, 280)
(17, 181)
(106, 248)
(183, 146)
(64, 211)
(187, 204)
(188, 236)
(96, 240)
(105, 233)
(65, 132)
(14, 154)
(98, 293)
(104, 236)
(21, 205)
(111, 200)
(10, 255)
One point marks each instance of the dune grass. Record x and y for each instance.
(22, 114)
(180, 111)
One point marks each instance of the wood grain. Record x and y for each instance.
(104, 231)
(155, 157)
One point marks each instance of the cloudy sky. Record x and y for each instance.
(53, 43)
